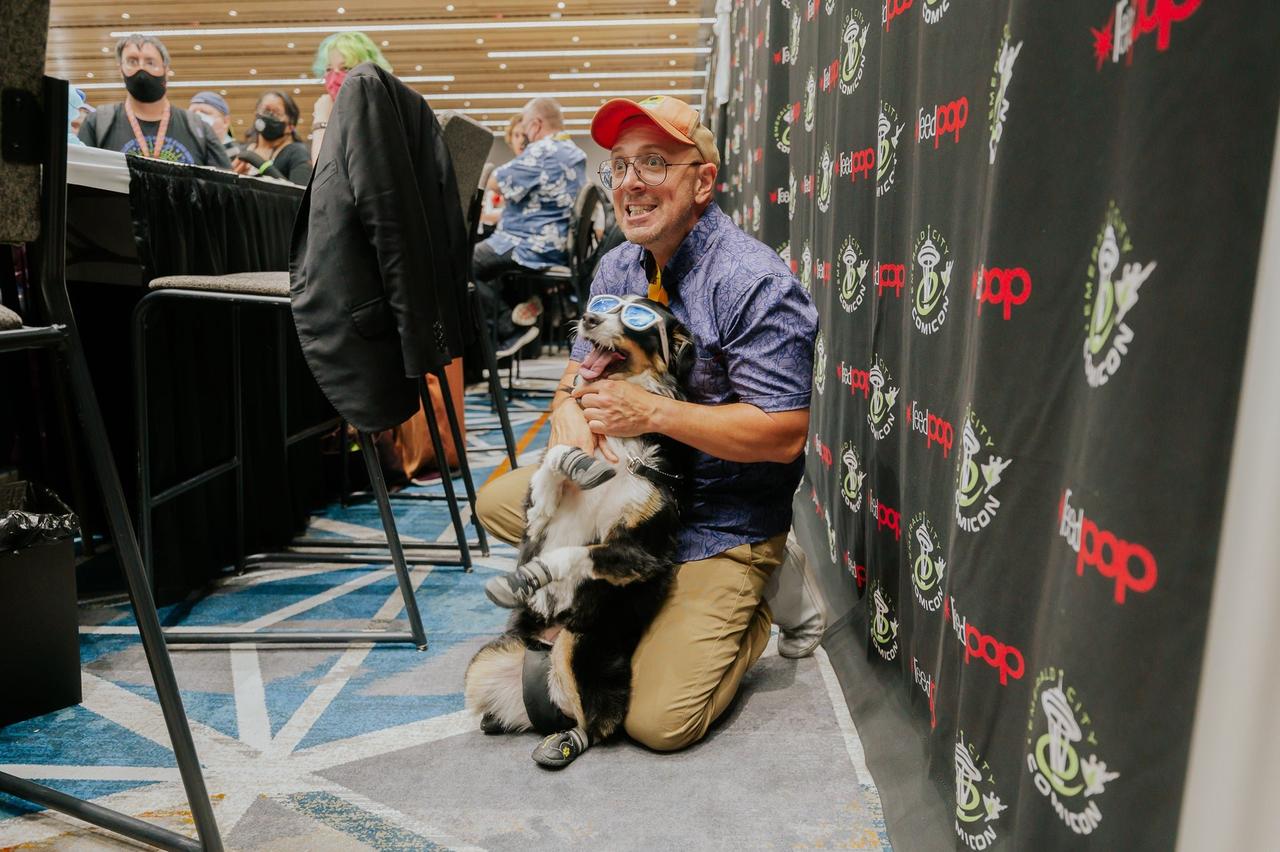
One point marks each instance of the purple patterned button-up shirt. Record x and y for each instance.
(754, 328)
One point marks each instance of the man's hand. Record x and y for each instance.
(569, 426)
(617, 408)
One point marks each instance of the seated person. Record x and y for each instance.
(146, 124)
(538, 190)
(746, 418)
(273, 147)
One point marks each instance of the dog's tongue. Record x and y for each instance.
(596, 362)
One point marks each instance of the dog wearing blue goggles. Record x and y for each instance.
(632, 335)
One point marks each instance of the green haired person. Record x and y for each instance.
(337, 55)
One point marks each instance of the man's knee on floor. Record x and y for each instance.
(665, 730)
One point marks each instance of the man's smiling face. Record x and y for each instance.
(653, 216)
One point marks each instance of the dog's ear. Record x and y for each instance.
(682, 355)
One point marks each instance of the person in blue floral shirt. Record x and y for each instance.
(538, 189)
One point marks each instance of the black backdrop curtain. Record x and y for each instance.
(1031, 230)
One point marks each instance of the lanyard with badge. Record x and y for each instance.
(142, 140)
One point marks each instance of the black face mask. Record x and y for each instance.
(145, 87)
(269, 127)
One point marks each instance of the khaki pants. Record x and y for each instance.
(689, 663)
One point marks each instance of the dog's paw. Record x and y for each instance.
(559, 750)
(585, 471)
(512, 590)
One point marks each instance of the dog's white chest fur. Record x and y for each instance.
(568, 517)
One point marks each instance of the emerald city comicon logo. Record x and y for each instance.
(927, 562)
(884, 626)
(824, 180)
(853, 56)
(977, 805)
(998, 102)
(884, 393)
(806, 267)
(810, 97)
(1110, 292)
(791, 195)
(930, 280)
(888, 130)
(853, 274)
(978, 473)
(851, 482)
(755, 213)
(794, 45)
(933, 10)
(1059, 731)
(782, 129)
(820, 364)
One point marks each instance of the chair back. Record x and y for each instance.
(583, 233)
(23, 30)
(468, 142)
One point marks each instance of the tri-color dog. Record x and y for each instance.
(596, 560)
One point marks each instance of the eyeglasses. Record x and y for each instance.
(650, 168)
(634, 316)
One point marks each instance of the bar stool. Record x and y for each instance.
(48, 143)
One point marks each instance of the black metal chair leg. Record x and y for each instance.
(140, 402)
(496, 392)
(451, 496)
(379, 487)
(237, 408)
(459, 443)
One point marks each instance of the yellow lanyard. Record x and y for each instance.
(656, 291)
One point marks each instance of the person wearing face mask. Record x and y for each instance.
(212, 109)
(337, 55)
(273, 147)
(146, 124)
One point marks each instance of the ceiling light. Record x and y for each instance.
(232, 13)
(673, 36)
(673, 82)
(434, 26)
(303, 80)
(445, 87)
(520, 86)
(289, 45)
(515, 110)
(466, 103)
(586, 65)
(624, 75)
(449, 8)
(124, 15)
(108, 50)
(253, 71)
(612, 51)
(89, 75)
(560, 5)
(502, 66)
(524, 96)
(417, 68)
(297, 91)
(596, 85)
(576, 39)
(671, 62)
(341, 10)
(223, 91)
(479, 41)
(671, 2)
(386, 43)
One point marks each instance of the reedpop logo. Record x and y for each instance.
(976, 807)
(1057, 727)
(930, 297)
(945, 118)
(1130, 21)
(1005, 659)
(1112, 556)
(1108, 299)
(976, 504)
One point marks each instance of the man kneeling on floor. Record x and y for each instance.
(746, 419)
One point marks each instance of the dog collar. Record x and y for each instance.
(659, 477)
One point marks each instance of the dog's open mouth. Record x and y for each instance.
(599, 362)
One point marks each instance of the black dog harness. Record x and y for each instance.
(546, 717)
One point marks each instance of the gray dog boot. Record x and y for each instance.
(795, 605)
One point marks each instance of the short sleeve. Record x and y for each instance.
(768, 345)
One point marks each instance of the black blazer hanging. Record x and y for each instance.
(377, 272)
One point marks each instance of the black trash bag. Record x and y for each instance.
(40, 517)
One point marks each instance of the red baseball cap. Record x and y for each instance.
(672, 116)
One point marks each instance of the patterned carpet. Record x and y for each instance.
(369, 747)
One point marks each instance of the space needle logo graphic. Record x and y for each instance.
(930, 281)
(977, 805)
(1110, 293)
(1057, 735)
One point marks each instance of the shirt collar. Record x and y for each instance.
(694, 246)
